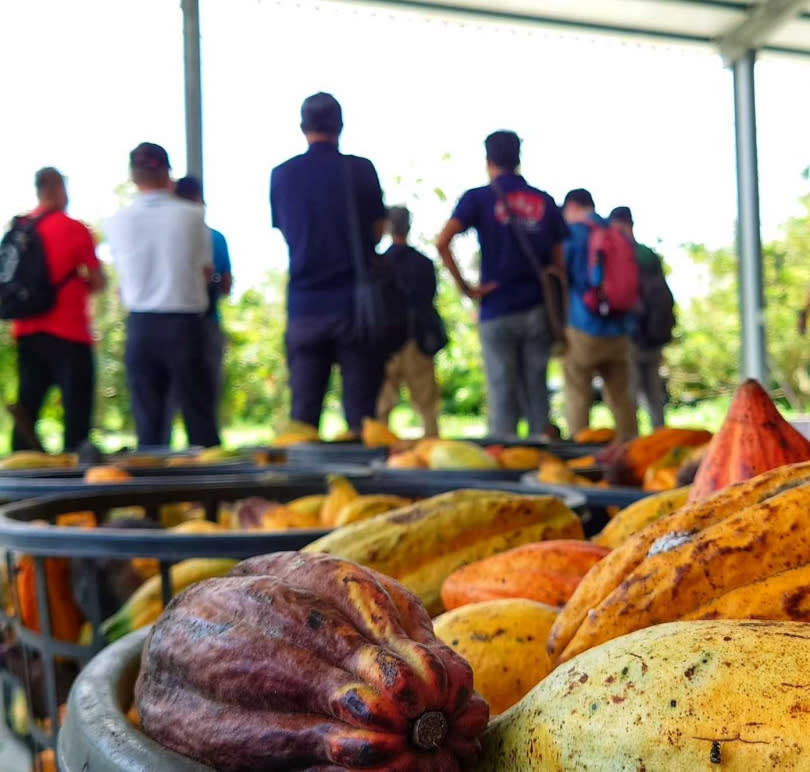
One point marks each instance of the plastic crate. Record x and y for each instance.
(59, 661)
(276, 459)
(597, 500)
(568, 450)
(17, 488)
(561, 448)
(324, 453)
(456, 477)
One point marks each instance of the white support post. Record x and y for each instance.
(749, 245)
(193, 86)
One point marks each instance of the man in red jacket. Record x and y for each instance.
(56, 348)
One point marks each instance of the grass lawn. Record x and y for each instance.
(708, 414)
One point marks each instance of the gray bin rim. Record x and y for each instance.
(594, 496)
(97, 735)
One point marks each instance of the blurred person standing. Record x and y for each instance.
(329, 207)
(520, 231)
(55, 346)
(413, 365)
(190, 189)
(162, 251)
(598, 343)
(651, 326)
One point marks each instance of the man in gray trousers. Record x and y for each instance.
(514, 330)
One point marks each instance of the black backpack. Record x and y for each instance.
(26, 288)
(656, 318)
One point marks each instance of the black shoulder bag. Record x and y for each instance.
(380, 306)
(552, 278)
(429, 331)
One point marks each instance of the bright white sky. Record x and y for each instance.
(650, 126)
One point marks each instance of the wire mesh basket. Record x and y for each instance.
(42, 665)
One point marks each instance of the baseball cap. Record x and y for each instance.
(321, 112)
(622, 214)
(189, 188)
(149, 155)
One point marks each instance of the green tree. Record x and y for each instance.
(256, 383)
(459, 367)
(706, 358)
(113, 413)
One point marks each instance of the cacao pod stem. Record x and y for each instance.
(429, 730)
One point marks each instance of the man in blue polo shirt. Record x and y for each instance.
(312, 197)
(515, 337)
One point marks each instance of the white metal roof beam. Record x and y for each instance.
(756, 29)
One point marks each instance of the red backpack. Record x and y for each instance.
(618, 291)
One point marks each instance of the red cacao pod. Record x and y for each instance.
(297, 661)
(753, 439)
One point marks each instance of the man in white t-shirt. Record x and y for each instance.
(161, 248)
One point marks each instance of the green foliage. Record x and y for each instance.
(113, 413)
(787, 280)
(706, 358)
(8, 366)
(459, 367)
(256, 389)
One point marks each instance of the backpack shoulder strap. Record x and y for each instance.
(358, 256)
(29, 223)
(29, 226)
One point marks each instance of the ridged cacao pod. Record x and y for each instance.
(307, 661)
(754, 438)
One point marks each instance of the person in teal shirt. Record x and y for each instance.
(219, 285)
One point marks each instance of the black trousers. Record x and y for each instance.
(44, 361)
(214, 357)
(314, 345)
(165, 354)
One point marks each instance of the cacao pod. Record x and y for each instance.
(730, 696)
(297, 661)
(609, 574)
(753, 439)
(547, 572)
(684, 570)
(628, 465)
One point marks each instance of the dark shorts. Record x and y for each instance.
(314, 345)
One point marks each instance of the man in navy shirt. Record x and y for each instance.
(514, 330)
(310, 198)
(597, 345)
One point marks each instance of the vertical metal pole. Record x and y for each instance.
(749, 245)
(193, 86)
